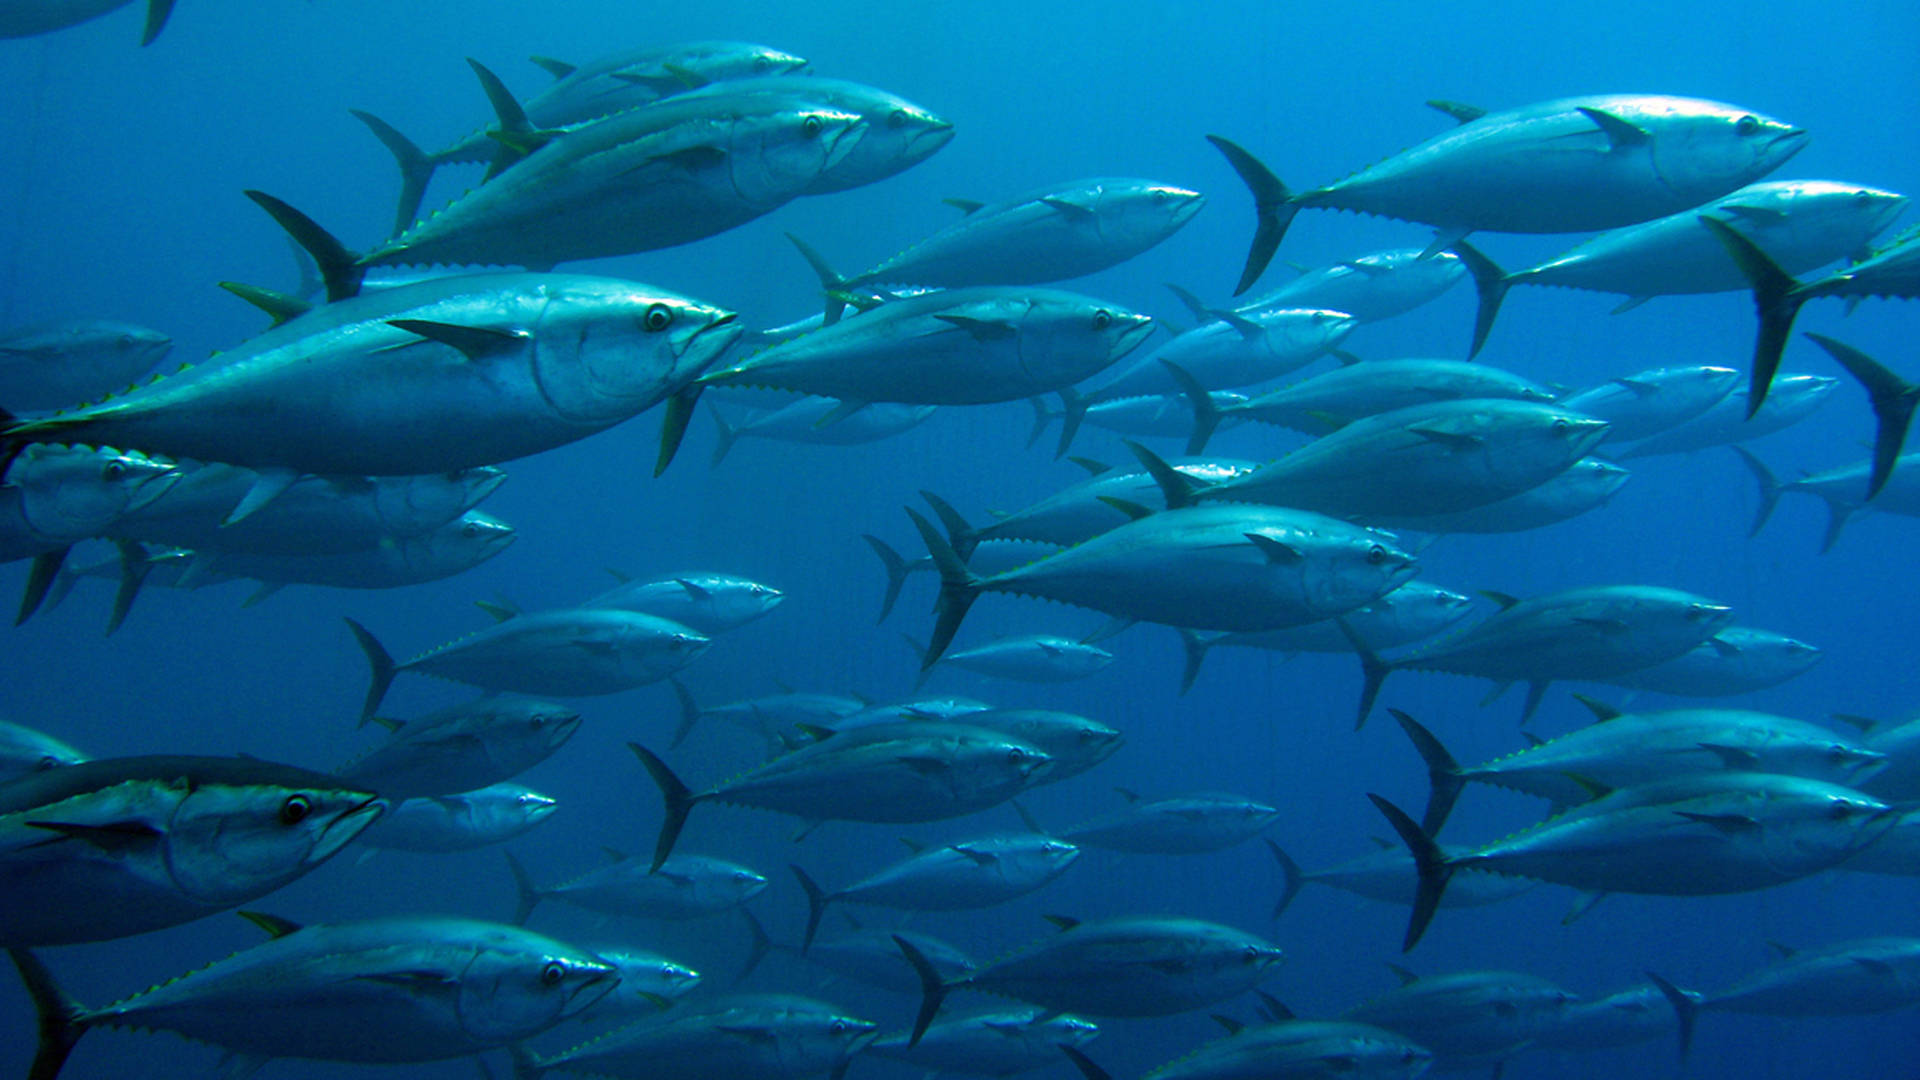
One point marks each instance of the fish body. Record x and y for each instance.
(1389, 876)
(1224, 355)
(1635, 1015)
(463, 821)
(1793, 399)
(1127, 967)
(1468, 1016)
(893, 772)
(996, 1043)
(1900, 779)
(1218, 567)
(774, 716)
(1370, 287)
(1436, 458)
(1191, 824)
(966, 874)
(870, 956)
(895, 135)
(347, 389)
(1078, 513)
(1333, 399)
(573, 652)
(683, 887)
(315, 515)
(654, 177)
(1074, 742)
(1049, 234)
(1645, 404)
(464, 747)
(816, 420)
(1586, 486)
(739, 1037)
(1303, 1050)
(54, 365)
(396, 561)
(1849, 978)
(1737, 660)
(1413, 612)
(1800, 224)
(24, 750)
(396, 989)
(1032, 658)
(1162, 415)
(972, 346)
(707, 602)
(25, 18)
(112, 847)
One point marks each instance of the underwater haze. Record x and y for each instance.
(122, 181)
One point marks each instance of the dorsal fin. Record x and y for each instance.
(1064, 922)
(278, 305)
(559, 69)
(1407, 978)
(339, 268)
(1176, 487)
(1232, 1026)
(1602, 712)
(965, 206)
(1094, 468)
(1505, 600)
(274, 925)
(1464, 113)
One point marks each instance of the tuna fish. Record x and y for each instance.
(1711, 833)
(896, 134)
(742, 1037)
(1191, 824)
(463, 747)
(398, 989)
(683, 887)
(1892, 272)
(1800, 224)
(1138, 966)
(1586, 486)
(1467, 1017)
(1586, 633)
(55, 365)
(1043, 658)
(960, 876)
(1074, 742)
(1289, 1049)
(1413, 612)
(438, 824)
(1635, 1015)
(819, 421)
(769, 717)
(658, 176)
(1645, 404)
(708, 602)
(1626, 750)
(574, 652)
(891, 772)
(1331, 400)
(1728, 421)
(1569, 165)
(1389, 876)
(1737, 660)
(1050, 234)
(1000, 1042)
(1370, 287)
(869, 956)
(649, 984)
(1850, 978)
(1228, 567)
(599, 88)
(1843, 489)
(1230, 351)
(448, 374)
(119, 846)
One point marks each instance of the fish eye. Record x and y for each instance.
(897, 118)
(1560, 425)
(113, 470)
(1102, 319)
(553, 973)
(470, 529)
(1746, 125)
(762, 63)
(660, 316)
(811, 126)
(1249, 954)
(1840, 810)
(839, 1027)
(1376, 555)
(295, 809)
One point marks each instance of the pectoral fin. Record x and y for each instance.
(1622, 133)
(473, 342)
(112, 836)
(1730, 824)
(982, 330)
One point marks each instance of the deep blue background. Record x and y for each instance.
(121, 176)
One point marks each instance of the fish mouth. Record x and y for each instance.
(1131, 337)
(347, 826)
(1189, 206)
(596, 985)
(1794, 139)
(485, 480)
(724, 328)
(936, 134)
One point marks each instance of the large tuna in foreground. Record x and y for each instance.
(1570, 165)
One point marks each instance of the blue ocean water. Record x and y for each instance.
(122, 177)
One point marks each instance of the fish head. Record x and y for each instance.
(652, 648)
(1597, 480)
(519, 983)
(899, 134)
(726, 602)
(523, 807)
(1068, 1030)
(408, 505)
(650, 976)
(606, 349)
(742, 884)
(518, 732)
(1796, 395)
(1137, 214)
(1346, 567)
(460, 544)
(779, 154)
(231, 839)
(1817, 829)
(722, 61)
(1704, 149)
(1065, 338)
(74, 492)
